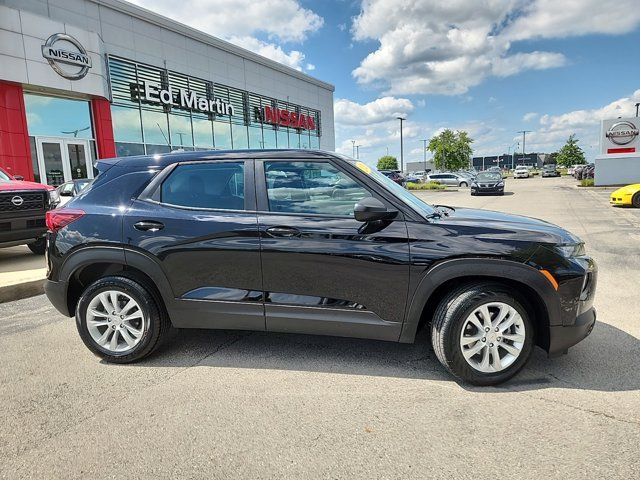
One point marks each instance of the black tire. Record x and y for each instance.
(39, 246)
(449, 319)
(464, 184)
(155, 331)
(635, 200)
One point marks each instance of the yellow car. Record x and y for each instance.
(629, 195)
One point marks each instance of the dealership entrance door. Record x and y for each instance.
(63, 159)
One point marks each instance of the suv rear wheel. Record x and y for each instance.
(120, 320)
(482, 333)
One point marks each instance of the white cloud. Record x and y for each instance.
(284, 20)
(430, 46)
(555, 129)
(527, 117)
(557, 19)
(241, 21)
(311, 67)
(380, 110)
(293, 58)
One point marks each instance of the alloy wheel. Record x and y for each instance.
(115, 321)
(492, 337)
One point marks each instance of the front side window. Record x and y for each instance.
(311, 188)
(217, 185)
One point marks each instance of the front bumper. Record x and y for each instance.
(487, 190)
(561, 337)
(57, 294)
(20, 230)
(620, 199)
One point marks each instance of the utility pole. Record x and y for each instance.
(524, 140)
(424, 151)
(353, 149)
(401, 145)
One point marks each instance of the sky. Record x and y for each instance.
(490, 67)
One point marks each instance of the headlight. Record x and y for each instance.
(54, 197)
(571, 249)
(500, 184)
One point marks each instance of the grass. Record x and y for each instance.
(425, 186)
(587, 182)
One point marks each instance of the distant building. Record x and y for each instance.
(419, 166)
(509, 161)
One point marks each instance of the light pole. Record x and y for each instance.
(512, 153)
(353, 149)
(358, 152)
(524, 140)
(424, 151)
(401, 145)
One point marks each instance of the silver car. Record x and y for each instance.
(449, 179)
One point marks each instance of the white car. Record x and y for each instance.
(521, 171)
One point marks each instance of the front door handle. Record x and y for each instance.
(148, 226)
(283, 232)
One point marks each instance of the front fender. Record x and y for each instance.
(478, 267)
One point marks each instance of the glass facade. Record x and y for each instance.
(142, 126)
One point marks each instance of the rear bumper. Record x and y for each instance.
(57, 294)
(562, 337)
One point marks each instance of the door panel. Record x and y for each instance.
(333, 276)
(78, 156)
(52, 164)
(210, 258)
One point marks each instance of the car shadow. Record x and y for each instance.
(589, 365)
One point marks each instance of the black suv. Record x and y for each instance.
(309, 242)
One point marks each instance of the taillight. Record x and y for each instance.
(57, 219)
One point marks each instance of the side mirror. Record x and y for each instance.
(20, 178)
(371, 209)
(66, 194)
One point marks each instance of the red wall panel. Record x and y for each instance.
(15, 152)
(103, 127)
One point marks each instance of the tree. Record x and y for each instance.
(387, 162)
(451, 150)
(571, 153)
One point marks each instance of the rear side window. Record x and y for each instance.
(206, 185)
(311, 187)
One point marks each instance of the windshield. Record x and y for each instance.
(488, 177)
(407, 197)
(4, 177)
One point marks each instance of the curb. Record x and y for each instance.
(18, 291)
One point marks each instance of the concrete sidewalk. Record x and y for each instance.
(22, 273)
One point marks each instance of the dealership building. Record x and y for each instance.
(87, 79)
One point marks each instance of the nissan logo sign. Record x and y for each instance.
(622, 133)
(67, 56)
(17, 200)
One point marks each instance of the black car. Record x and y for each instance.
(309, 242)
(394, 176)
(488, 183)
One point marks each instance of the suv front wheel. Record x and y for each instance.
(482, 333)
(120, 320)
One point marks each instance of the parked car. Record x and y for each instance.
(550, 170)
(260, 241)
(571, 170)
(587, 172)
(22, 212)
(626, 196)
(421, 176)
(488, 183)
(521, 171)
(449, 179)
(410, 177)
(394, 176)
(68, 190)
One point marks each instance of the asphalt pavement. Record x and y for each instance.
(224, 404)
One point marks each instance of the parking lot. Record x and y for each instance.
(226, 404)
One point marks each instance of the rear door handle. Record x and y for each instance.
(283, 232)
(148, 226)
